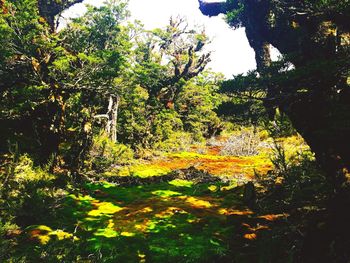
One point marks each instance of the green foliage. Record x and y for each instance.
(165, 123)
(177, 141)
(196, 104)
(310, 83)
(6, 244)
(23, 37)
(235, 13)
(133, 124)
(100, 43)
(289, 153)
(244, 102)
(334, 5)
(26, 197)
(168, 75)
(279, 159)
(281, 126)
(145, 120)
(25, 171)
(20, 174)
(60, 76)
(105, 153)
(65, 79)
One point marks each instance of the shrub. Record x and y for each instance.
(165, 123)
(279, 158)
(177, 141)
(20, 174)
(289, 152)
(281, 126)
(26, 192)
(244, 143)
(7, 230)
(105, 153)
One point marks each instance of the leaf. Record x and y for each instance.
(273, 217)
(253, 229)
(213, 188)
(35, 64)
(250, 236)
(42, 20)
(227, 211)
(214, 242)
(127, 234)
(87, 127)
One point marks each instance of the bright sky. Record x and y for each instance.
(231, 53)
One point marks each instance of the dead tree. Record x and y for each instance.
(111, 117)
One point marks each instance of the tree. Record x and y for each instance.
(29, 50)
(165, 61)
(51, 10)
(313, 37)
(60, 79)
(197, 103)
(169, 58)
(311, 86)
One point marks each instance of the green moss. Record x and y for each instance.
(143, 171)
(165, 193)
(193, 155)
(181, 183)
(105, 208)
(106, 232)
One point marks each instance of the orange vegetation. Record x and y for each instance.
(254, 229)
(273, 217)
(213, 164)
(225, 211)
(251, 236)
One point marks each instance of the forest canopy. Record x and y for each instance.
(59, 88)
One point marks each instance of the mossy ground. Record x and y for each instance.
(210, 162)
(170, 221)
(165, 222)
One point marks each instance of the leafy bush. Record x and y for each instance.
(289, 152)
(26, 192)
(279, 159)
(7, 229)
(25, 171)
(164, 125)
(21, 173)
(177, 141)
(105, 153)
(281, 126)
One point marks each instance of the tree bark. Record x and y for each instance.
(50, 9)
(111, 117)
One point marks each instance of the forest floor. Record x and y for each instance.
(183, 207)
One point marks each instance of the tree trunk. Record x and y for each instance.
(111, 117)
